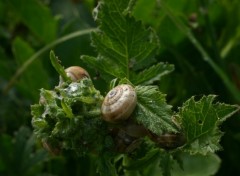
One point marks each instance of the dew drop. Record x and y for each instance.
(73, 87)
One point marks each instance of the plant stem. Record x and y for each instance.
(210, 30)
(63, 39)
(205, 56)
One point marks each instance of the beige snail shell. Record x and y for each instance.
(75, 73)
(119, 103)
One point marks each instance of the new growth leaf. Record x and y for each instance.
(124, 45)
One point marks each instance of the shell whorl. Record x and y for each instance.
(119, 103)
(75, 73)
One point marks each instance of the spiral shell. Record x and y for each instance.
(75, 73)
(119, 103)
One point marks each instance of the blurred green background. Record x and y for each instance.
(29, 29)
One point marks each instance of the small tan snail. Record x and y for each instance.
(119, 103)
(75, 73)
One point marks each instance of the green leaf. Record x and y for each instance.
(36, 76)
(58, 67)
(67, 109)
(122, 42)
(166, 163)
(5, 152)
(105, 165)
(37, 18)
(150, 157)
(103, 66)
(193, 165)
(149, 75)
(200, 121)
(152, 110)
(22, 146)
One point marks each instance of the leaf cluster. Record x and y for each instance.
(125, 50)
(69, 116)
(200, 38)
(200, 121)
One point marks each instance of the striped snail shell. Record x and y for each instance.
(75, 73)
(119, 103)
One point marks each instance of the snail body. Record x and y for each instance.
(169, 141)
(123, 142)
(133, 129)
(119, 103)
(126, 143)
(75, 73)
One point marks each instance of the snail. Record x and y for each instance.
(127, 136)
(168, 141)
(119, 103)
(75, 73)
(124, 143)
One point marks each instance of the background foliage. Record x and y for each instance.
(206, 61)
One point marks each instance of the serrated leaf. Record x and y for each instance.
(225, 111)
(200, 121)
(166, 163)
(122, 42)
(193, 165)
(153, 111)
(149, 75)
(103, 65)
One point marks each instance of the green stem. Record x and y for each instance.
(210, 30)
(232, 89)
(63, 39)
